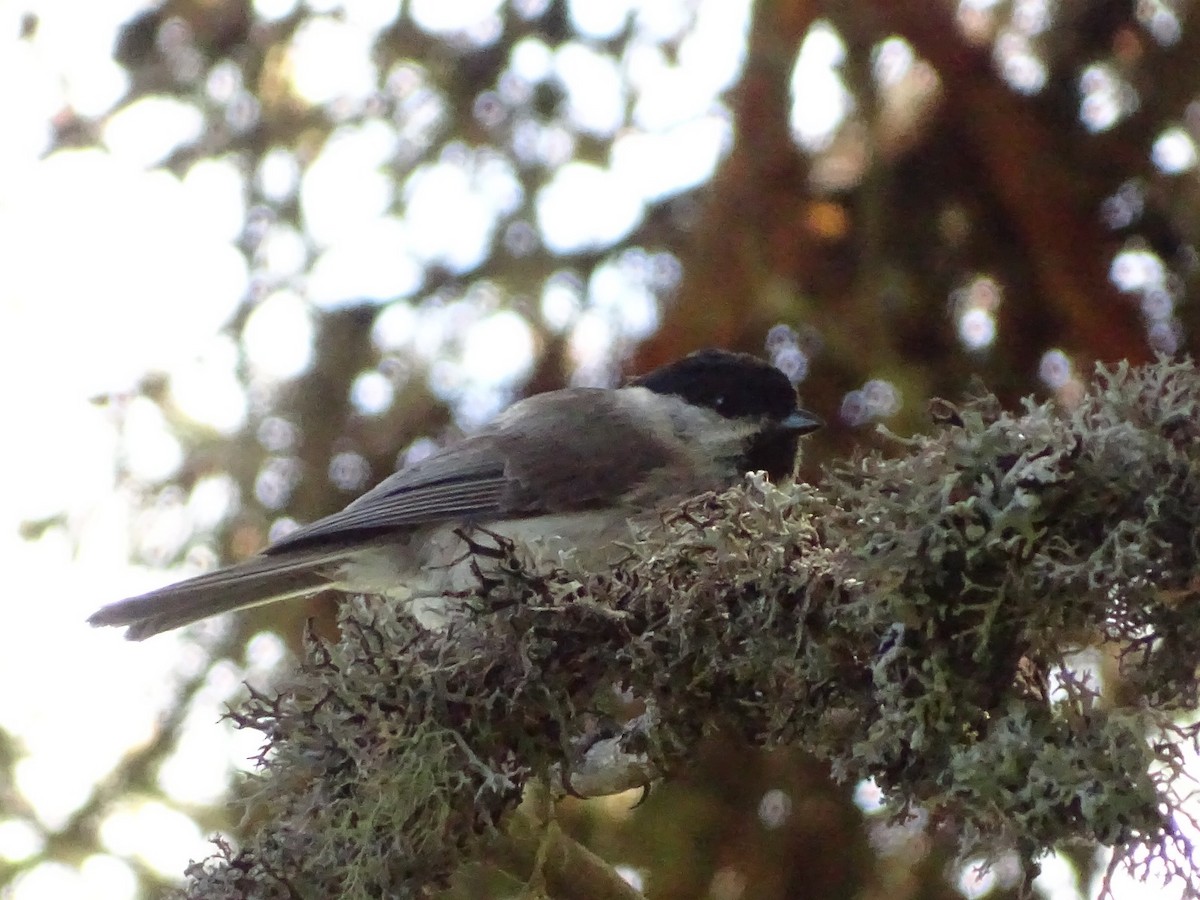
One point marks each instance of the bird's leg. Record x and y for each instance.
(502, 550)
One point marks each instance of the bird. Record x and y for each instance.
(561, 473)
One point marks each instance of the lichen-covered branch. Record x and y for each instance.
(916, 618)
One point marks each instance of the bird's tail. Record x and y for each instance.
(260, 580)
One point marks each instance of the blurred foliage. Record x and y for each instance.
(1009, 175)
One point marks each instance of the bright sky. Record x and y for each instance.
(112, 268)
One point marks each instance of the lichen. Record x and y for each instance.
(915, 619)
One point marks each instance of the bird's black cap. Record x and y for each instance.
(733, 384)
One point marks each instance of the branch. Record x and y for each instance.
(535, 850)
(914, 620)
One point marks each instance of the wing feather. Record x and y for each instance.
(462, 483)
(542, 455)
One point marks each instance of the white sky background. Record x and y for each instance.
(110, 269)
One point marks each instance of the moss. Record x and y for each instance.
(913, 619)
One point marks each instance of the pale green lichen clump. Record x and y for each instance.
(915, 618)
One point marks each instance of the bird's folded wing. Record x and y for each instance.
(458, 485)
(540, 457)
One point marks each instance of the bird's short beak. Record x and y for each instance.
(801, 422)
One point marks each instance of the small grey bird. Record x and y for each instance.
(561, 474)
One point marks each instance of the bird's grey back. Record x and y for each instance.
(545, 454)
